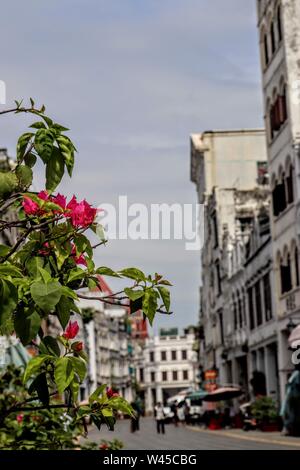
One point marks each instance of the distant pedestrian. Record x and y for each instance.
(174, 409)
(180, 413)
(187, 411)
(135, 420)
(160, 418)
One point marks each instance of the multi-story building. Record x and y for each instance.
(229, 170)
(104, 332)
(279, 33)
(170, 366)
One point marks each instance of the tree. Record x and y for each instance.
(42, 273)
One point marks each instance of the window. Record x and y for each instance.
(251, 309)
(279, 24)
(185, 375)
(285, 275)
(152, 375)
(278, 112)
(175, 375)
(151, 356)
(267, 297)
(258, 305)
(290, 185)
(174, 355)
(221, 326)
(273, 41)
(184, 355)
(296, 254)
(141, 375)
(164, 376)
(235, 321)
(275, 199)
(266, 49)
(163, 355)
(240, 310)
(218, 272)
(215, 229)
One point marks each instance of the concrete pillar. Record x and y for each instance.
(159, 394)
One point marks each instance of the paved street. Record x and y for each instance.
(182, 438)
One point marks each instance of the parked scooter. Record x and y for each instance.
(249, 422)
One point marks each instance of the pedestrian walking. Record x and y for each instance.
(160, 418)
(174, 409)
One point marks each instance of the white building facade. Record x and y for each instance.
(279, 34)
(169, 366)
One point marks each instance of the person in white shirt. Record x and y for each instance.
(160, 418)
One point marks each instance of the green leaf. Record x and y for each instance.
(136, 305)
(22, 144)
(8, 183)
(74, 387)
(4, 250)
(134, 294)
(59, 127)
(27, 324)
(34, 366)
(67, 151)
(164, 282)
(64, 373)
(83, 245)
(76, 274)
(8, 300)
(104, 271)
(46, 295)
(119, 403)
(51, 345)
(133, 273)
(40, 386)
(150, 304)
(30, 159)
(100, 232)
(38, 125)
(79, 366)
(24, 175)
(44, 274)
(55, 168)
(9, 270)
(99, 391)
(165, 296)
(66, 291)
(33, 264)
(43, 143)
(64, 308)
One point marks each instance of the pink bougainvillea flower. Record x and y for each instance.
(80, 259)
(43, 195)
(60, 200)
(71, 330)
(30, 207)
(20, 418)
(110, 393)
(45, 250)
(79, 346)
(81, 213)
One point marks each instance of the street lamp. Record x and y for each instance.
(292, 325)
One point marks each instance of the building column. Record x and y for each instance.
(148, 400)
(159, 394)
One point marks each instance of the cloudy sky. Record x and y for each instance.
(133, 79)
